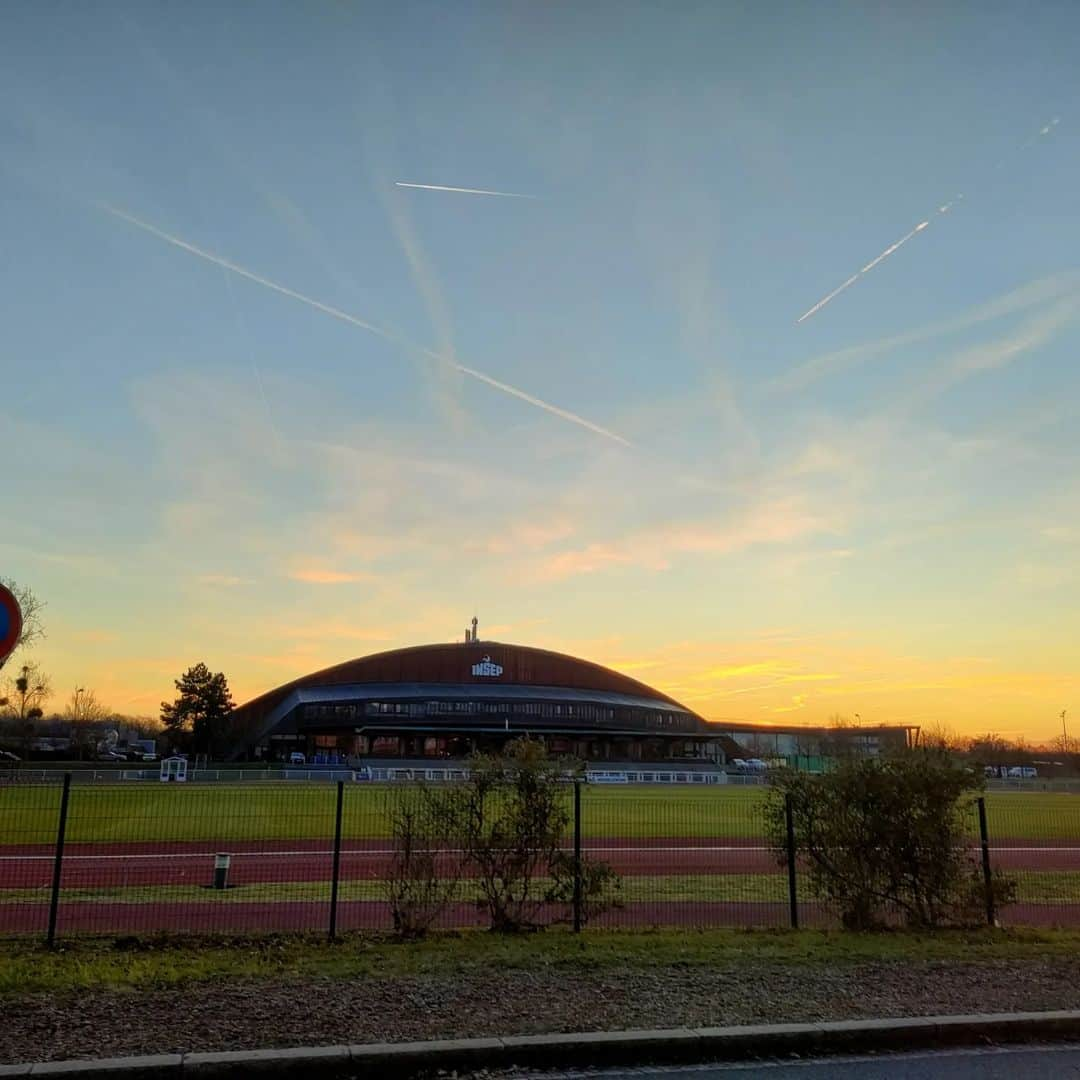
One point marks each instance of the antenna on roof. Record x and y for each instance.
(474, 624)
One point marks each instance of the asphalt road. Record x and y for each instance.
(1059, 1062)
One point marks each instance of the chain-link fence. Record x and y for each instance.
(144, 858)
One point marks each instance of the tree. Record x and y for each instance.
(940, 736)
(203, 704)
(990, 749)
(22, 700)
(32, 607)
(23, 697)
(510, 821)
(83, 712)
(1063, 744)
(881, 839)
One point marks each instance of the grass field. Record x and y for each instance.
(87, 964)
(1033, 887)
(151, 812)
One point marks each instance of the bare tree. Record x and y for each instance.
(83, 711)
(23, 697)
(991, 749)
(32, 608)
(1063, 744)
(938, 735)
(22, 700)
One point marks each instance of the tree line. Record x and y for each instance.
(193, 721)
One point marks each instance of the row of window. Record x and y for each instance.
(578, 713)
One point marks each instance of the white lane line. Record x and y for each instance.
(374, 852)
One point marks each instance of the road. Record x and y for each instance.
(994, 1063)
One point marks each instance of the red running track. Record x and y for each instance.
(88, 866)
(312, 916)
(190, 863)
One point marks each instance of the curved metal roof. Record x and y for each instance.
(455, 668)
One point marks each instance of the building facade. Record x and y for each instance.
(448, 700)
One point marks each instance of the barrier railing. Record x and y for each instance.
(250, 857)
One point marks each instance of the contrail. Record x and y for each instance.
(892, 247)
(871, 264)
(465, 190)
(943, 209)
(344, 316)
(821, 303)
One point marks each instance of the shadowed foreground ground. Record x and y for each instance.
(96, 1001)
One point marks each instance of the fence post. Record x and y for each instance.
(577, 856)
(988, 877)
(793, 896)
(336, 873)
(58, 862)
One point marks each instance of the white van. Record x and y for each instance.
(1023, 772)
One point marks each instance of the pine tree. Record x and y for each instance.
(203, 704)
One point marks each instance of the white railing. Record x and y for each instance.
(365, 774)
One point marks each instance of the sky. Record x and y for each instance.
(589, 416)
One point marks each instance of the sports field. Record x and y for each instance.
(139, 857)
(144, 811)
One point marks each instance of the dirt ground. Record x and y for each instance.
(245, 1013)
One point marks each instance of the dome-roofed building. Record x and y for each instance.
(447, 700)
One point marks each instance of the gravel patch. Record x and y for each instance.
(235, 1014)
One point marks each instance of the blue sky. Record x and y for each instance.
(875, 510)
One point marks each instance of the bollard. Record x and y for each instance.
(221, 870)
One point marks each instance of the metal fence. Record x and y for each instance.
(137, 859)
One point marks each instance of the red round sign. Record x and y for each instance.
(10, 622)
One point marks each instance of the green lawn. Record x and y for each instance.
(85, 964)
(212, 812)
(1032, 887)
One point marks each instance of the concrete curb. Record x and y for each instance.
(674, 1045)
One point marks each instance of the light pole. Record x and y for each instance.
(1064, 734)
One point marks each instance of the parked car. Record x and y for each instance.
(296, 758)
(1023, 772)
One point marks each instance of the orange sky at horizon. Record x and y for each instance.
(775, 678)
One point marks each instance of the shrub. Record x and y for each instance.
(425, 868)
(503, 830)
(882, 840)
(512, 817)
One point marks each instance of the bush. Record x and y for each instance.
(886, 840)
(425, 868)
(600, 885)
(514, 817)
(506, 827)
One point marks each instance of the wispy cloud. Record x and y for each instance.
(775, 522)
(996, 353)
(314, 575)
(1033, 294)
(225, 581)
